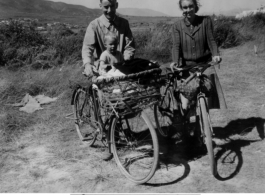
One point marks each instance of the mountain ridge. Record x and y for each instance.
(140, 12)
(46, 7)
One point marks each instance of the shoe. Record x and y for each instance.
(106, 156)
(177, 135)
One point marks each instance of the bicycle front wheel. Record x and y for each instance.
(164, 111)
(135, 148)
(84, 115)
(206, 127)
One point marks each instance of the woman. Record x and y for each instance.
(193, 43)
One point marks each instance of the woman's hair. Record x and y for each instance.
(110, 36)
(195, 2)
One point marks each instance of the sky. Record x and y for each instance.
(170, 7)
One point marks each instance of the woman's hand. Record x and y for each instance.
(128, 55)
(217, 59)
(174, 66)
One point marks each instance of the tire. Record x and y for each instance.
(164, 112)
(84, 115)
(206, 127)
(134, 137)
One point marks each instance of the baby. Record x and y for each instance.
(110, 57)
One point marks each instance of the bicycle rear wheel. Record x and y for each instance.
(164, 111)
(206, 127)
(135, 147)
(84, 115)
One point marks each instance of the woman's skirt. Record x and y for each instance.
(217, 99)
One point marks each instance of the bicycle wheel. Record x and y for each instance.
(206, 127)
(135, 147)
(84, 115)
(164, 111)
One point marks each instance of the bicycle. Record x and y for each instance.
(88, 123)
(170, 105)
(113, 109)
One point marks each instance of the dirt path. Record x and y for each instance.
(50, 158)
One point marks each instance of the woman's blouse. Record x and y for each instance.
(193, 43)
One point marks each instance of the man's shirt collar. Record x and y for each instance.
(106, 22)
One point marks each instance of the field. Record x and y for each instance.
(41, 152)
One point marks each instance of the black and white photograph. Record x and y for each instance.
(132, 96)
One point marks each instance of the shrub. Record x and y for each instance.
(254, 22)
(68, 46)
(225, 33)
(19, 35)
(22, 45)
(155, 45)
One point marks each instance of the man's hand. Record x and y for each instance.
(88, 71)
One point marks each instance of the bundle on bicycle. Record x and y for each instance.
(114, 110)
(197, 88)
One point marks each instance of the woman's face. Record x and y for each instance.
(188, 8)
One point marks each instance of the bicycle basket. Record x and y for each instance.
(191, 89)
(131, 93)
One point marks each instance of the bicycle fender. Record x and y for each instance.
(73, 95)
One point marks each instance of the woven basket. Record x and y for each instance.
(131, 94)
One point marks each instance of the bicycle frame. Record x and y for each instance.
(171, 77)
(101, 125)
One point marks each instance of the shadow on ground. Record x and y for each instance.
(241, 127)
(228, 156)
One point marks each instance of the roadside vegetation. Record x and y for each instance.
(25, 47)
(57, 53)
(50, 64)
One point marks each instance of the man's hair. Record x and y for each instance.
(195, 2)
(110, 36)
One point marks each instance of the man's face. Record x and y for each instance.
(109, 8)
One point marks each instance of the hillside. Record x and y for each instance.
(139, 12)
(48, 157)
(45, 7)
(41, 152)
(47, 11)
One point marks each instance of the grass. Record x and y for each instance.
(56, 81)
(50, 128)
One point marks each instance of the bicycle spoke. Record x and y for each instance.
(84, 117)
(135, 149)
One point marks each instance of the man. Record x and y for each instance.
(94, 45)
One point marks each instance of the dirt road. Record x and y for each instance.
(48, 157)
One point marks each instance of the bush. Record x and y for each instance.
(19, 35)
(68, 46)
(155, 45)
(24, 46)
(254, 22)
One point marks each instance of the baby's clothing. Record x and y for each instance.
(110, 59)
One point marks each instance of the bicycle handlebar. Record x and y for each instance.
(198, 71)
